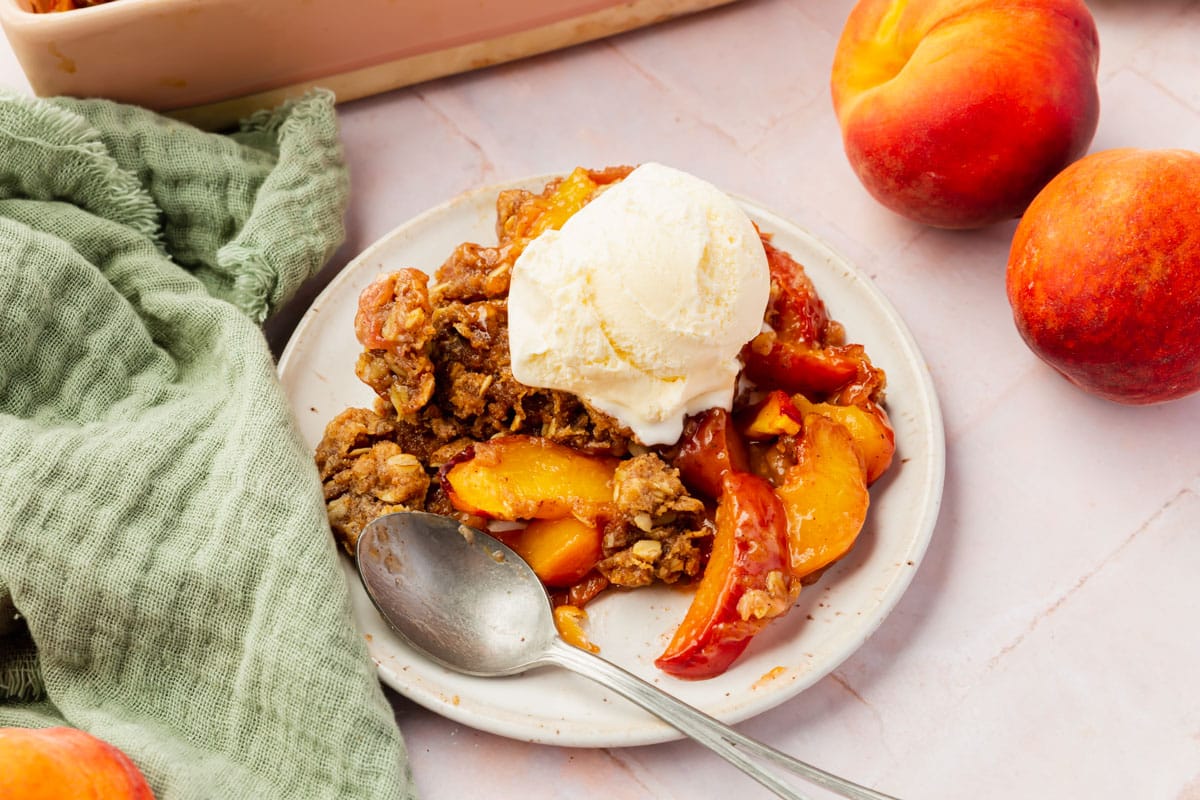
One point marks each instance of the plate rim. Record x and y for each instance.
(654, 731)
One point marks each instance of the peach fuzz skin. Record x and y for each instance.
(1104, 274)
(955, 113)
(66, 764)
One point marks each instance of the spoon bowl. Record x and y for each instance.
(473, 605)
(457, 594)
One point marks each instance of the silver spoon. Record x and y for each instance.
(471, 604)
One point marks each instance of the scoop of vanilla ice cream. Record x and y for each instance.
(642, 301)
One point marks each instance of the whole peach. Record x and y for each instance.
(1104, 274)
(66, 764)
(955, 113)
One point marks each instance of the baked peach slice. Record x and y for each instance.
(797, 312)
(527, 477)
(824, 496)
(569, 621)
(802, 351)
(801, 367)
(581, 592)
(560, 551)
(550, 210)
(745, 584)
(775, 415)
(868, 425)
(710, 447)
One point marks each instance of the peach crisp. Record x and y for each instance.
(749, 503)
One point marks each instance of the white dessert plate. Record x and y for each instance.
(831, 619)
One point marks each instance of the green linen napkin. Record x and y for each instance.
(169, 580)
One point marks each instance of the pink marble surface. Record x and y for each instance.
(1048, 646)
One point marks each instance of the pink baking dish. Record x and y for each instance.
(213, 61)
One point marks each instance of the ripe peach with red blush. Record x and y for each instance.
(1104, 274)
(955, 113)
(66, 764)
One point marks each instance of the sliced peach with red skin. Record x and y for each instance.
(868, 425)
(560, 551)
(744, 586)
(802, 353)
(824, 496)
(797, 312)
(776, 415)
(771, 360)
(528, 477)
(710, 447)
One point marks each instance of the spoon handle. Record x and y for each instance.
(718, 737)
